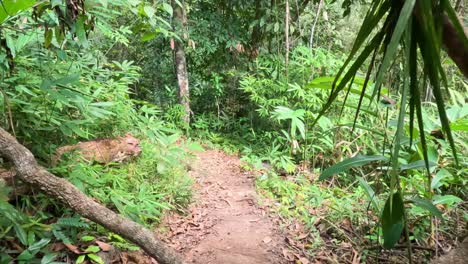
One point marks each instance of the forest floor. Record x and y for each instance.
(224, 224)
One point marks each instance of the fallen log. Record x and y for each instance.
(30, 172)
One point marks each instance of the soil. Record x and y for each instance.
(225, 224)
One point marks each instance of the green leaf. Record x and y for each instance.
(374, 43)
(48, 34)
(446, 199)
(419, 164)
(429, 43)
(48, 258)
(40, 244)
(392, 220)
(373, 17)
(11, 45)
(80, 259)
(148, 36)
(93, 249)
(87, 238)
(392, 47)
(68, 79)
(29, 253)
(276, 27)
(96, 258)
(10, 8)
(440, 175)
(370, 193)
(21, 234)
(460, 125)
(149, 11)
(25, 256)
(357, 161)
(168, 8)
(80, 31)
(426, 204)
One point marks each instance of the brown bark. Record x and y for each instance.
(286, 33)
(30, 172)
(454, 45)
(180, 23)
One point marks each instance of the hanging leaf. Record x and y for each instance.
(48, 37)
(392, 47)
(392, 220)
(81, 32)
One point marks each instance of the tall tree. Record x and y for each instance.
(180, 25)
(286, 32)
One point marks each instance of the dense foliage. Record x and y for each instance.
(79, 70)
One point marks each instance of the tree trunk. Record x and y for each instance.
(30, 172)
(312, 31)
(454, 45)
(179, 26)
(257, 34)
(286, 33)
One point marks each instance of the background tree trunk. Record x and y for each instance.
(30, 172)
(286, 32)
(179, 26)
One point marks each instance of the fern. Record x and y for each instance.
(61, 236)
(71, 222)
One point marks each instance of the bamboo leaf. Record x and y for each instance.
(369, 24)
(370, 193)
(428, 205)
(350, 163)
(392, 47)
(374, 44)
(417, 165)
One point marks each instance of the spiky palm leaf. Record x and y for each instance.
(413, 28)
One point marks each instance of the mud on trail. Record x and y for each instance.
(225, 224)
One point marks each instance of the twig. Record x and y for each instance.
(8, 108)
(403, 246)
(227, 201)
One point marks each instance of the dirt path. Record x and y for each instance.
(225, 224)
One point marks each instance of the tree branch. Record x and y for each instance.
(30, 172)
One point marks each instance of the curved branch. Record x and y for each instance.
(30, 172)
